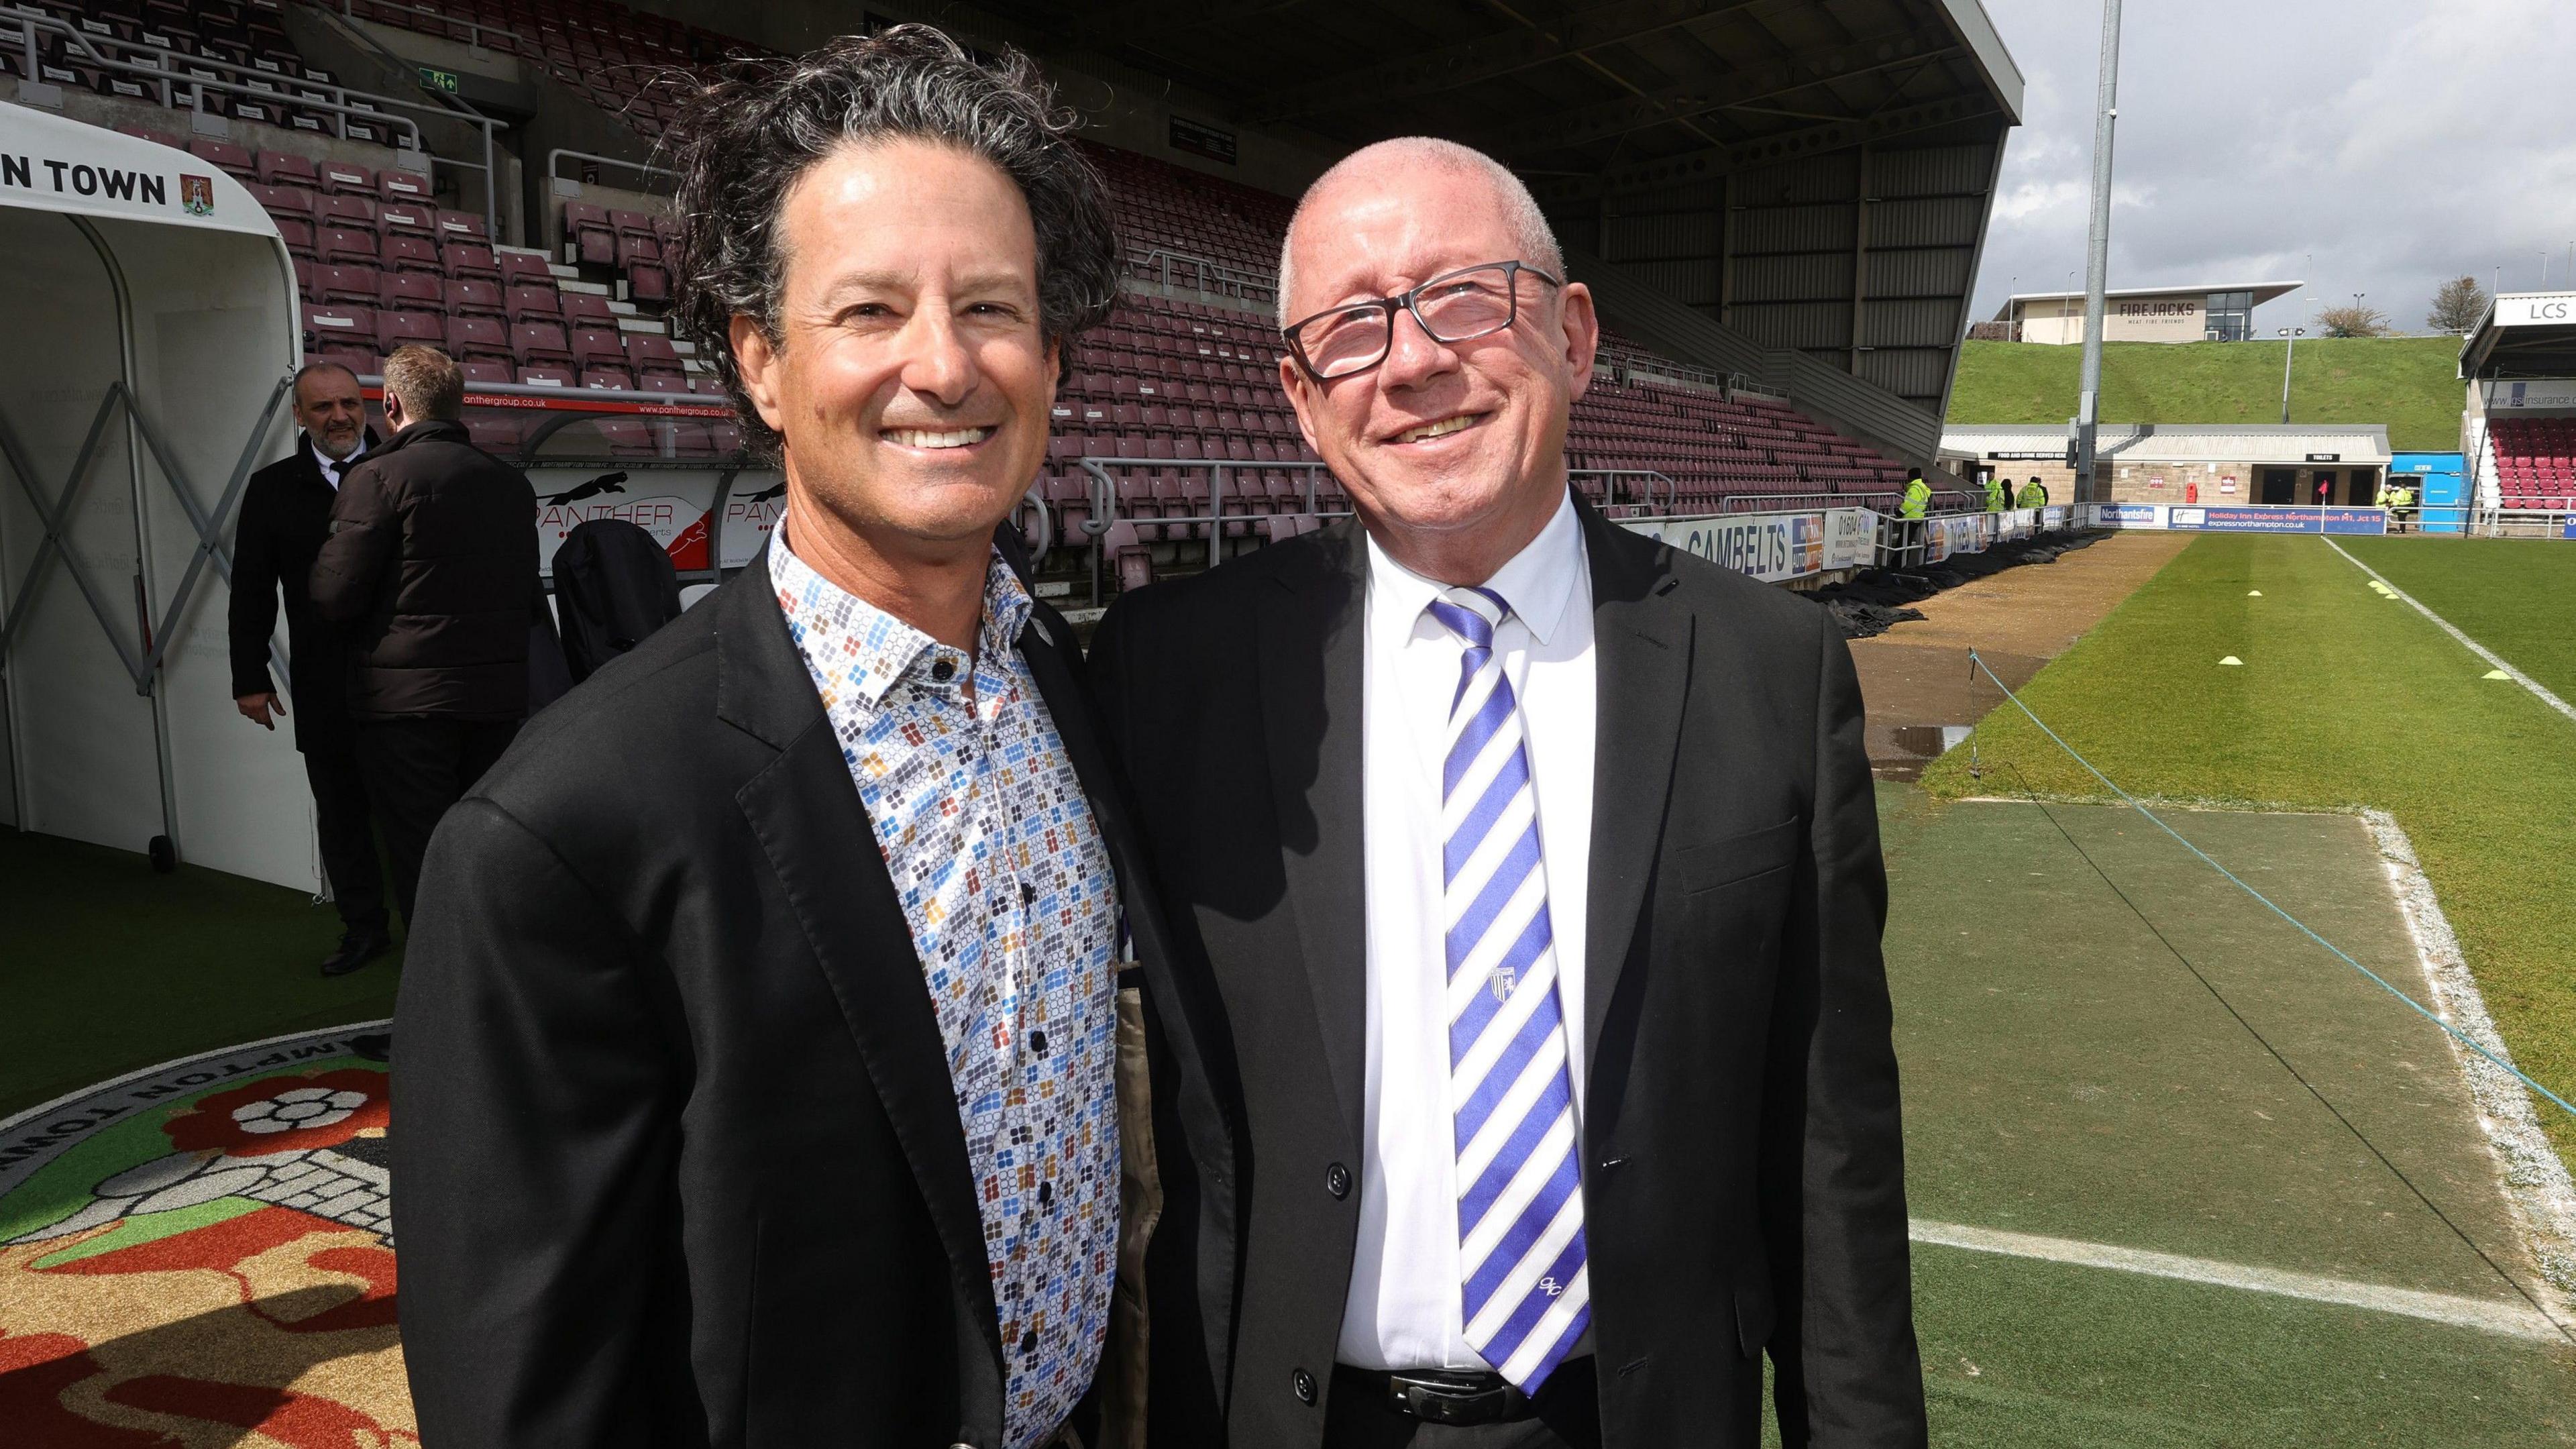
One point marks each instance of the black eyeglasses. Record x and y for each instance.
(1457, 306)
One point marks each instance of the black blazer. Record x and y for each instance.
(679, 1152)
(1743, 1178)
(285, 515)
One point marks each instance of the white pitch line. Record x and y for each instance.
(2514, 1320)
(2474, 647)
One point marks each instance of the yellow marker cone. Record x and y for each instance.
(2253, 593)
(2231, 659)
(2495, 674)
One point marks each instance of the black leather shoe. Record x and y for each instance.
(356, 950)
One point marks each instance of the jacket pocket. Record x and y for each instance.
(1709, 864)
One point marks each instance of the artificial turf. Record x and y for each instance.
(2344, 699)
(2409, 383)
(107, 967)
(2517, 596)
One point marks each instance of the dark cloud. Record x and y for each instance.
(2373, 146)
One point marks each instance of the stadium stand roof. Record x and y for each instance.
(1795, 191)
(2263, 292)
(2525, 335)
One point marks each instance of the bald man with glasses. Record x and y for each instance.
(1537, 868)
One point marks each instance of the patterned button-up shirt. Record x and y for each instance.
(1013, 908)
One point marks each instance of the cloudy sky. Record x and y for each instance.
(2374, 146)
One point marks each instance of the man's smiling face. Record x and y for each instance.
(911, 378)
(1438, 438)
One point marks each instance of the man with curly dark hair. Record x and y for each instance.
(770, 1070)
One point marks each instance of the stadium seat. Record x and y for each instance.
(337, 246)
(540, 344)
(475, 297)
(402, 186)
(285, 168)
(408, 217)
(495, 435)
(478, 373)
(598, 347)
(478, 339)
(354, 213)
(545, 377)
(360, 285)
(412, 254)
(347, 178)
(463, 226)
(589, 238)
(394, 329)
(608, 379)
(470, 259)
(410, 292)
(339, 325)
(518, 269)
(523, 303)
(234, 161)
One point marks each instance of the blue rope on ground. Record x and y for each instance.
(2463, 1038)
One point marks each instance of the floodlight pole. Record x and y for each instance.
(2097, 266)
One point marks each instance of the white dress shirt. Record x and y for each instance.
(1403, 1310)
(332, 467)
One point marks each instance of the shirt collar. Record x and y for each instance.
(1537, 582)
(332, 468)
(849, 642)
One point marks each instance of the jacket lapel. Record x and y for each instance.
(1641, 644)
(806, 813)
(1312, 637)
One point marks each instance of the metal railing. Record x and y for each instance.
(475, 30)
(1947, 500)
(195, 75)
(2550, 518)
(559, 153)
(449, 106)
(1205, 274)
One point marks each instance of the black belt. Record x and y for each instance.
(1454, 1396)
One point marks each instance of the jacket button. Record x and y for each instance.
(1337, 1180)
(1304, 1383)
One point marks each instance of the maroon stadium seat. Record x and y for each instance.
(584, 309)
(412, 254)
(410, 292)
(540, 344)
(463, 226)
(523, 303)
(403, 186)
(339, 246)
(478, 339)
(478, 373)
(608, 379)
(404, 216)
(471, 259)
(545, 377)
(355, 213)
(337, 325)
(474, 297)
(393, 329)
(598, 347)
(285, 168)
(588, 232)
(348, 284)
(234, 160)
(347, 178)
(518, 269)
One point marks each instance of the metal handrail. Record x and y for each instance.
(450, 105)
(561, 152)
(176, 75)
(476, 28)
(1744, 502)
(1160, 262)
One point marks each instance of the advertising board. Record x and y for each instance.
(2128, 515)
(2293, 519)
(1851, 538)
(1773, 547)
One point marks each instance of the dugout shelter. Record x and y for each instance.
(152, 314)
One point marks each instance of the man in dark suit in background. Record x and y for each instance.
(285, 515)
(768, 1074)
(1537, 865)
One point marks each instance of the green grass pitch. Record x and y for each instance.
(2517, 596)
(2409, 383)
(2344, 699)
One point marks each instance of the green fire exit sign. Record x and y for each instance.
(438, 80)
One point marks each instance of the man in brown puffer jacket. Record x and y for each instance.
(432, 561)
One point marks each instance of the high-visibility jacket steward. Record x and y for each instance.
(1918, 499)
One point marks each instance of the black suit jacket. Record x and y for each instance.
(679, 1151)
(285, 515)
(1743, 1180)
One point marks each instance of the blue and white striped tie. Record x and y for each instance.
(1527, 1298)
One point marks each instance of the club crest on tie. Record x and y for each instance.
(1550, 1287)
(1503, 980)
